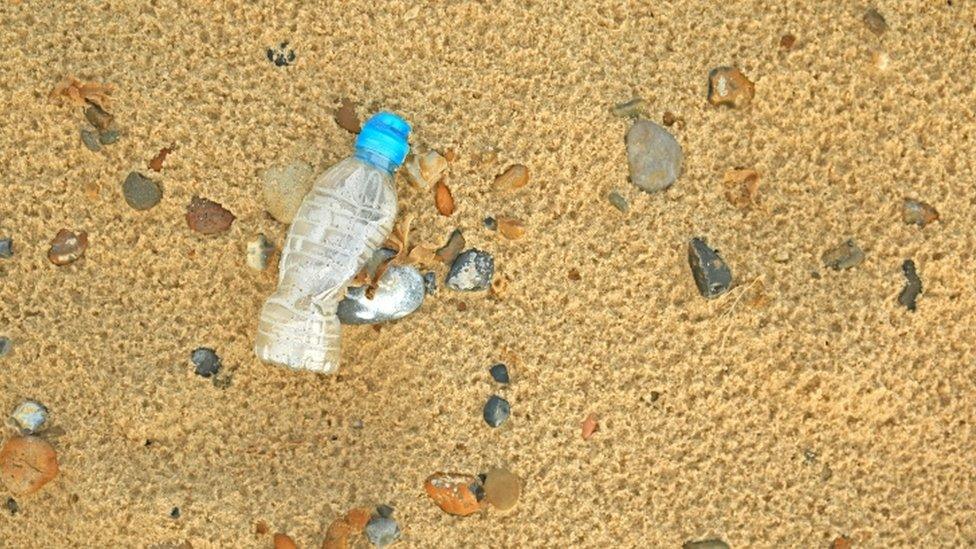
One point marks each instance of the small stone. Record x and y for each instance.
(430, 282)
(712, 276)
(384, 510)
(574, 275)
(881, 60)
(284, 187)
(653, 155)
(67, 247)
(29, 416)
(12, 506)
(499, 372)
(358, 517)
(450, 251)
(706, 544)
(472, 271)
(502, 489)
(669, 119)
(90, 139)
(109, 137)
(513, 178)
(618, 201)
(781, 256)
(259, 251)
(589, 426)
(454, 493)
(728, 86)
(913, 285)
(629, 109)
(156, 163)
(283, 541)
(511, 228)
(6, 248)
(423, 170)
(382, 531)
(205, 361)
(787, 41)
(174, 513)
(97, 117)
(443, 200)
(347, 118)
(496, 410)
(918, 213)
(490, 223)
(841, 542)
(140, 192)
(843, 256)
(207, 217)
(27, 464)
(399, 292)
(874, 21)
(5, 346)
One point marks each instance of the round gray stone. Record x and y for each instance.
(140, 192)
(382, 531)
(654, 156)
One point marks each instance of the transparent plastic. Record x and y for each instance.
(346, 216)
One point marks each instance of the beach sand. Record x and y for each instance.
(803, 405)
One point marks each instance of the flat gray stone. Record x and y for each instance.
(140, 192)
(90, 139)
(843, 256)
(654, 156)
(400, 291)
(706, 544)
(712, 276)
(382, 531)
(6, 248)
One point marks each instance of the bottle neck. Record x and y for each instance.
(376, 160)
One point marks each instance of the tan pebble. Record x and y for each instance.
(513, 178)
(347, 118)
(512, 229)
(261, 528)
(502, 489)
(741, 187)
(454, 493)
(574, 275)
(451, 155)
(499, 284)
(207, 217)
(918, 213)
(358, 517)
(728, 86)
(432, 166)
(67, 247)
(589, 426)
(27, 464)
(443, 200)
(881, 60)
(874, 21)
(92, 190)
(423, 254)
(282, 541)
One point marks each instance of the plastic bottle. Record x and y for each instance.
(348, 213)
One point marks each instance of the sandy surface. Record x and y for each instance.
(829, 410)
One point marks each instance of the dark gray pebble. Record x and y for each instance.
(205, 361)
(843, 256)
(382, 531)
(109, 136)
(712, 276)
(472, 271)
(6, 248)
(12, 506)
(496, 411)
(491, 223)
(140, 192)
(5, 345)
(913, 285)
(499, 372)
(175, 513)
(618, 201)
(384, 510)
(90, 139)
(706, 544)
(430, 282)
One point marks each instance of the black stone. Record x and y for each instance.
(491, 223)
(270, 54)
(6, 248)
(913, 285)
(206, 361)
(175, 513)
(496, 411)
(384, 510)
(477, 489)
(499, 372)
(712, 275)
(12, 506)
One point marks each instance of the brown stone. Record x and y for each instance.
(512, 229)
(742, 187)
(455, 243)
(358, 517)
(841, 543)
(207, 217)
(574, 275)
(728, 86)
(513, 178)
(787, 41)
(27, 464)
(97, 117)
(454, 493)
(502, 489)
(282, 541)
(443, 200)
(261, 528)
(67, 247)
(347, 118)
(589, 426)
(874, 21)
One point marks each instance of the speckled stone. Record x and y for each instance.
(472, 271)
(382, 531)
(140, 192)
(259, 251)
(653, 155)
(430, 282)
(712, 275)
(205, 361)
(496, 410)
(29, 416)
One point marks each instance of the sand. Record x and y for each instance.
(828, 410)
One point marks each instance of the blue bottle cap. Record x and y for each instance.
(385, 134)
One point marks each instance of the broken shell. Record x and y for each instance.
(513, 178)
(512, 229)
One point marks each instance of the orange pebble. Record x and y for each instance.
(27, 464)
(282, 541)
(454, 492)
(590, 426)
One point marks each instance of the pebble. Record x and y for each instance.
(12, 506)
(430, 282)
(384, 510)
(742, 187)
(712, 275)
(706, 544)
(843, 256)
(259, 251)
(787, 41)
(841, 542)
(499, 372)
(443, 199)
(618, 201)
(140, 192)
(913, 285)
(454, 493)
(589, 426)
(174, 513)
(511, 228)
(207, 217)
(283, 541)
(347, 118)
(29, 416)
(67, 247)
(490, 223)
(27, 464)
(109, 137)
(97, 117)
(6, 248)
(874, 21)
(382, 531)
(455, 243)
(513, 178)
(472, 271)
(281, 56)
(728, 86)
(918, 213)
(5, 345)
(629, 109)
(425, 169)
(400, 291)
(284, 187)
(205, 361)
(496, 410)
(653, 155)
(502, 489)
(90, 139)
